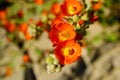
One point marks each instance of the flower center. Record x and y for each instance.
(71, 9)
(64, 35)
(67, 51)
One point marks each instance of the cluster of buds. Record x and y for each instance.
(68, 28)
(53, 64)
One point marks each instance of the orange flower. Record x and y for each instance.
(62, 32)
(23, 27)
(8, 71)
(10, 26)
(68, 52)
(39, 2)
(31, 20)
(26, 58)
(81, 22)
(96, 5)
(55, 8)
(57, 21)
(71, 7)
(27, 35)
(2, 14)
(44, 13)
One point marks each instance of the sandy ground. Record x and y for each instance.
(13, 54)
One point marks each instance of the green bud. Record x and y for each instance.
(32, 29)
(53, 64)
(77, 26)
(44, 18)
(49, 60)
(51, 16)
(50, 68)
(75, 18)
(58, 69)
(56, 62)
(84, 17)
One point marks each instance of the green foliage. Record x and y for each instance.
(39, 52)
(109, 12)
(111, 37)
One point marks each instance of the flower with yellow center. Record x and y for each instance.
(61, 32)
(64, 35)
(71, 7)
(68, 52)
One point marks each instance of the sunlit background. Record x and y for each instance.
(100, 59)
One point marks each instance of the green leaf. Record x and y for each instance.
(97, 39)
(39, 52)
(112, 37)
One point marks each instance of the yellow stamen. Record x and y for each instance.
(71, 10)
(67, 51)
(64, 35)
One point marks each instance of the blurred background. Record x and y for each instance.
(24, 59)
